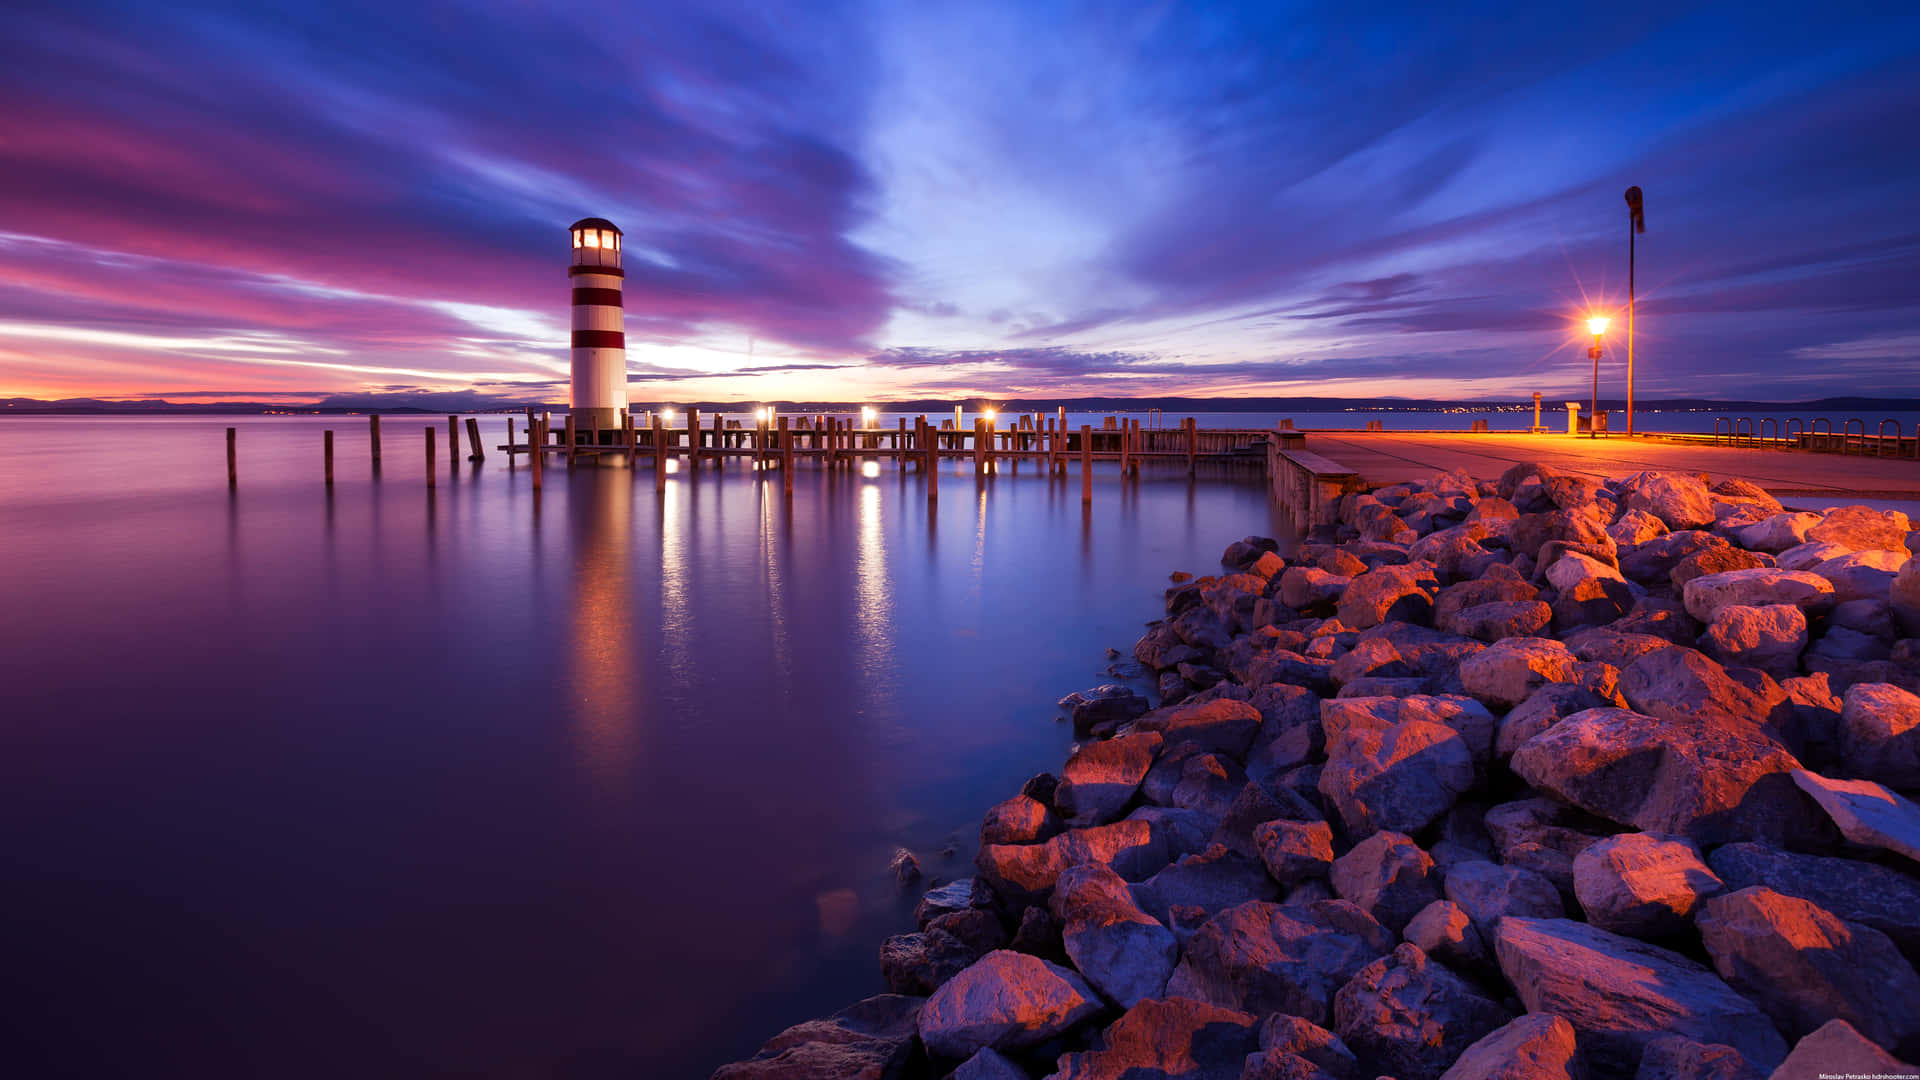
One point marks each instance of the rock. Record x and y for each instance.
(1207, 882)
(1719, 560)
(1651, 562)
(1713, 782)
(1862, 528)
(1101, 779)
(1019, 820)
(1221, 726)
(1636, 527)
(868, 1040)
(904, 868)
(1106, 704)
(1388, 876)
(1880, 734)
(1836, 1049)
(1283, 1034)
(1444, 931)
(1133, 847)
(919, 963)
(1505, 619)
(988, 1064)
(1680, 501)
(976, 928)
(1176, 1039)
(1683, 686)
(1735, 490)
(1641, 884)
(1462, 595)
(1590, 592)
(1611, 645)
(1866, 813)
(1506, 672)
(1266, 566)
(1770, 638)
(1007, 1001)
(1619, 994)
(944, 900)
(1040, 934)
(1875, 896)
(1534, 1047)
(1209, 783)
(1388, 593)
(1398, 778)
(1243, 552)
(1488, 892)
(1411, 1017)
(1267, 958)
(1312, 589)
(1542, 709)
(1777, 533)
(1862, 575)
(1808, 555)
(1904, 597)
(1872, 617)
(1123, 952)
(1806, 966)
(1294, 851)
(1675, 1057)
(1757, 588)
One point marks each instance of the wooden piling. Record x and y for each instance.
(1126, 445)
(573, 446)
(430, 435)
(786, 456)
(1193, 441)
(537, 440)
(659, 452)
(233, 463)
(374, 426)
(327, 443)
(693, 437)
(979, 446)
(633, 441)
(453, 441)
(933, 464)
(1086, 463)
(473, 439)
(719, 458)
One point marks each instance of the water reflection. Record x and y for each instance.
(601, 625)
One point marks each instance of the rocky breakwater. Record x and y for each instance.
(1540, 777)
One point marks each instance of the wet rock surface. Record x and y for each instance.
(1551, 776)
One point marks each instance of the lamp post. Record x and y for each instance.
(1636, 224)
(1598, 326)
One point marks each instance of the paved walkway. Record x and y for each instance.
(1389, 458)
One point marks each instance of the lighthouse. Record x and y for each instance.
(599, 334)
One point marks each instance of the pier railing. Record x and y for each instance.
(1820, 436)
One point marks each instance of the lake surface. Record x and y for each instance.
(399, 782)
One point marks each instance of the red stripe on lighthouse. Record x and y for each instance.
(599, 339)
(603, 297)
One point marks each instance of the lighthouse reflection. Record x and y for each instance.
(602, 675)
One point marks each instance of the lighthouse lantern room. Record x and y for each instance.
(599, 333)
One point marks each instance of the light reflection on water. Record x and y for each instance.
(597, 781)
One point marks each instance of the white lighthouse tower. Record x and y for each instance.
(599, 332)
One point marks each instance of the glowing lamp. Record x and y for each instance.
(1598, 325)
(988, 414)
(666, 416)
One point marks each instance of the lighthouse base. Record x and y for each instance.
(603, 420)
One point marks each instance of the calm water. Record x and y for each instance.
(462, 782)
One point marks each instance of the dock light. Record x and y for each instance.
(666, 416)
(989, 415)
(1598, 324)
(866, 415)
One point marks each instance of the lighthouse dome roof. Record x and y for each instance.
(594, 223)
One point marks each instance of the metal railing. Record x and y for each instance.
(1819, 435)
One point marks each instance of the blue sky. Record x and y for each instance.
(891, 200)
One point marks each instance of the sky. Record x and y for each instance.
(349, 201)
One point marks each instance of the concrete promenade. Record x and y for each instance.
(1389, 458)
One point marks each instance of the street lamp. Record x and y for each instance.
(1598, 326)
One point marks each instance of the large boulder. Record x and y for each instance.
(1113, 703)
(1283, 1036)
(1135, 849)
(1682, 502)
(1222, 725)
(1806, 966)
(1175, 1039)
(1676, 1057)
(1862, 575)
(1445, 931)
(1862, 528)
(1022, 819)
(1124, 953)
(868, 1040)
(1542, 709)
(1102, 778)
(1502, 619)
(1641, 884)
(1769, 638)
(1836, 1049)
(1619, 994)
(1777, 533)
(1880, 734)
(1537, 1046)
(1205, 883)
(1399, 777)
(988, 1064)
(1866, 813)
(1007, 1001)
(1757, 588)
(1506, 672)
(1712, 781)
(1588, 592)
(1267, 958)
(1719, 560)
(1651, 563)
(1295, 851)
(1388, 876)
(1411, 1018)
(1904, 597)
(1876, 896)
(1489, 892)
(1636, 527)
(919, 963)
(1388, 593)
(1312, 590)
(1683, 686)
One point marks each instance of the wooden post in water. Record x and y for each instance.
(374, 425)
(473, 439)
(537, 442)
(327, 442)
(933, 464)
(900, 446)
(453, 441)
(1193, 438)
(786, 456)
(233, 463)
(510, 443)
(693, 437)
(430, 435)
(1086, 463)
(719, 439)
(1126, 445)
(659, 453)
(573, 446)
(979, 446)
